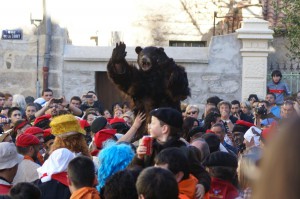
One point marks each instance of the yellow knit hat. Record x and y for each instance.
(65, 125)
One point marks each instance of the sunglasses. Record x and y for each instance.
(192, 112)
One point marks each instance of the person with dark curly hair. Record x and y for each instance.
(122, 185)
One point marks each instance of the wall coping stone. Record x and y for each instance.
(102, 54)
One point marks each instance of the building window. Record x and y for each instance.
(187, 43)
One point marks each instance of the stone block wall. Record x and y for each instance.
(18, 64)
(222, 75)
(211, 71)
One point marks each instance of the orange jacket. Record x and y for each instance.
(187, 188)
(85, 193)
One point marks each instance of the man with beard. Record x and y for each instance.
(28, 146)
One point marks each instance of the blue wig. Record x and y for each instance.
(113, 158)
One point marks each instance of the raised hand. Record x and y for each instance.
(140, 118)
(119, 53)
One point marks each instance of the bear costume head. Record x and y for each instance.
(150, 57)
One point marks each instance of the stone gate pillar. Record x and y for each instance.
(255, 36)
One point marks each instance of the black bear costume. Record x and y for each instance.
(159, 81)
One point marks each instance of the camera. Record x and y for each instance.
(88, 96)
(261, 110)
(8, 121)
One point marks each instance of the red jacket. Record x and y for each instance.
(221, 189)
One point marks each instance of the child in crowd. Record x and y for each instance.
(278, 87)
(113, 157)
(157, 183)
(82, 178)
(165, 128)
(176, 161)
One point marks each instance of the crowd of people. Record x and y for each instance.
(58, 148)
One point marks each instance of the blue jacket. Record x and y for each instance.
(280, 90)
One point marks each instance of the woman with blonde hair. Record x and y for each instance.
(246, 108)
(192, 111)
(280, 174)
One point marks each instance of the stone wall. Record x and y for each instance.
(211, 71)
(18, 64)
(18, 61)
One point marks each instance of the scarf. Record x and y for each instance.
(56, 163)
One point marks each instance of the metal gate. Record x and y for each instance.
(290, 73)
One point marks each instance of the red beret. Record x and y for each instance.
(21, 125)
(47, 132)
(117, 120)
(103, 135)
(84, 123)
(41, 118)
(244, 123)
(25, 140)
(34, 130)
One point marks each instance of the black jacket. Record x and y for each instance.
(53, 189)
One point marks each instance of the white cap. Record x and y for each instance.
(40, 101)
(9, 156)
